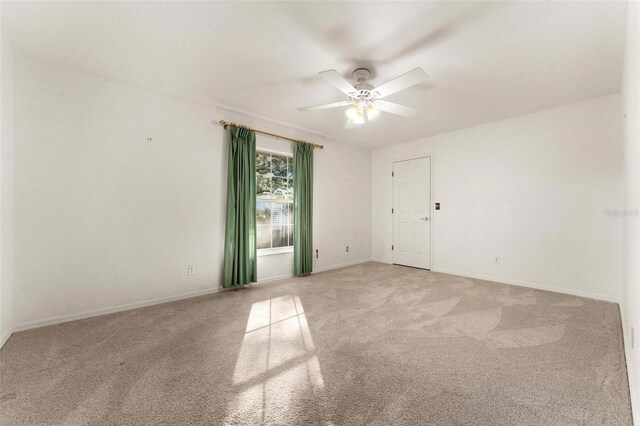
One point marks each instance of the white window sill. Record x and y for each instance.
(277, 250)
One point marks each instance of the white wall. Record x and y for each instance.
(6, 192)
(531, 189)
(105, 218)
(631, 100)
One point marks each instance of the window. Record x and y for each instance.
(274, 201)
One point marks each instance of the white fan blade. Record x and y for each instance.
(409, 79)
(335, 78)
(325, 106)
(394, 108)
(350, 124)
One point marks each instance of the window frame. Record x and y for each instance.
(273, 250)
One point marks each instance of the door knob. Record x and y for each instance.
(424, 218)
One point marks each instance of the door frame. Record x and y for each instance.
(431, 201)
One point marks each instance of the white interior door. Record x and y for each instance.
(412, 213)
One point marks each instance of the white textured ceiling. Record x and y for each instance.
(486, 61)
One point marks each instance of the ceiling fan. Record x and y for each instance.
(367, 101)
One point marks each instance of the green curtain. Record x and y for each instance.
(240, 231)
(303, 209)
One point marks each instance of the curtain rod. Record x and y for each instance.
(224, 124)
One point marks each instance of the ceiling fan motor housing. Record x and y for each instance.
(365, 93)
(361, 75)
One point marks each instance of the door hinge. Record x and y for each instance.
(392, 174)
(391, 210)
(392, 247)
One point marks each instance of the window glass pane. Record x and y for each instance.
(288, 194)
(263, 236)
(263, 163)
(263, 185)
(285, 214)
(290, 211)
(290, 231)
(279, 236)
(274, 220)
(263, 174)
(279, 166)
(290, 168)
(278, 214)
(280, 187)
(263, 214)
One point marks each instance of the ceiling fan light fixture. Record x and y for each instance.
(372, 112)
(359, 119)
(353, 112)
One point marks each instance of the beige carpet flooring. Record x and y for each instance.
(369, 344)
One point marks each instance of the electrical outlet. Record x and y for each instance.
(191, 270)
(347, 249)
(496, 260)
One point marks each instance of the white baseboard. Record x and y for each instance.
(274, 278)
(111, 310)
(126, 307)
(628, 354)
(342, 265)
(5, 337)
(326, 268)
(579, 293)
(587, 294)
